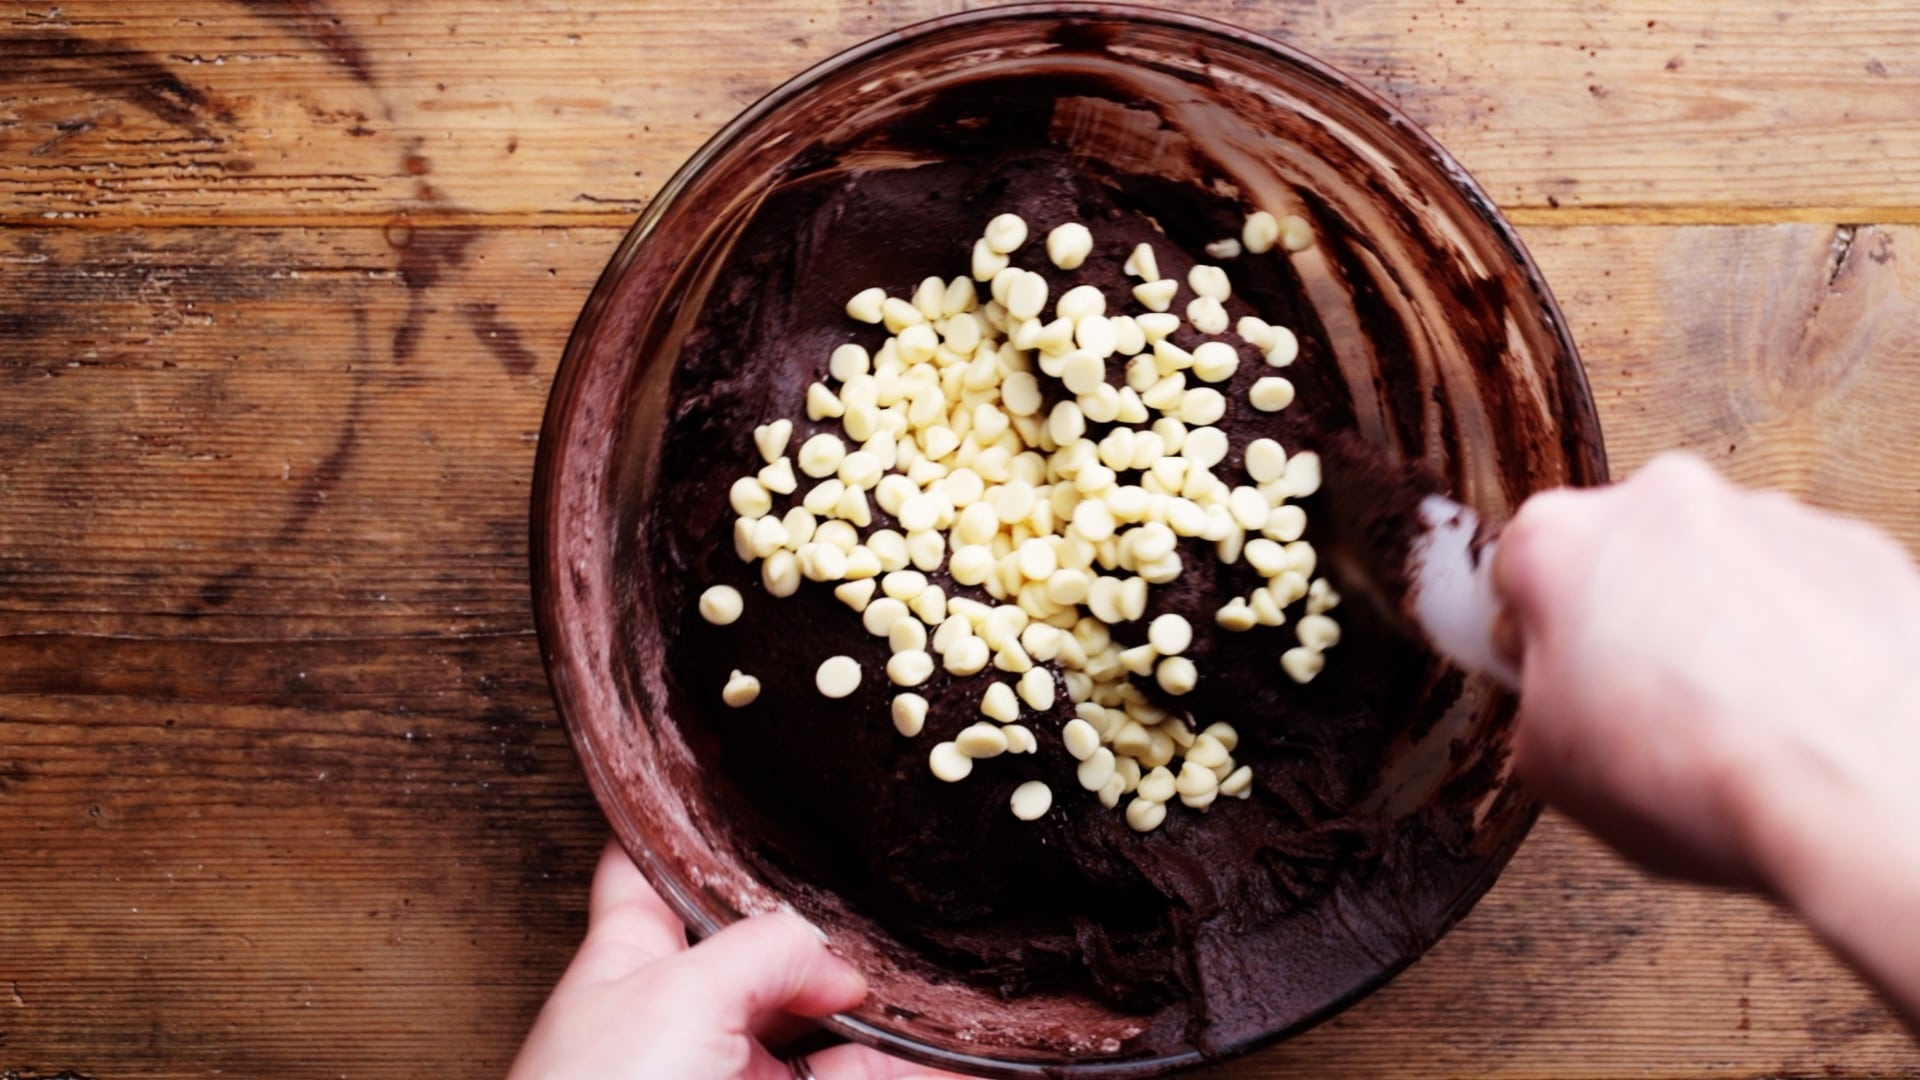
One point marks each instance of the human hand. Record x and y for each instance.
(638, 1002)
(1723, 684)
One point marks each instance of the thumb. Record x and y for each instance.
(763, 965)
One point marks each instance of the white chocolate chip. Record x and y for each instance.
(771, 439)
(910, 667)
(1266, 609)
(1302, 477)
(1176, 675)
(1238, 784)
(1271, 393)
(1248, 507)
(1207, 315)
(970, 656)
(780, 574)
(823, 404)
(1296, 233)
(881, 614)
(1195, 779)
(741, 690)
(1260, 232)
(865, 304)
(852, 507)
(958, 297)
(821, 562)
(838, 676)
(1142, 264)
(859, 469)
(1031, 800)
(1156, 295)
(1082, 372)
(820, 456)
(721, 605)
(1200, 801)
(1005, 233)
(906, 634)
(749, 497)
(1215, 361)
(981, 740)
(1224, 248)
(1301, 663)
(1284, 349)
(1081, 302)
(1285, 524)
(1157, 785)
(1209, 281)
(971, 564)
(909, 714)
(949, 763)
(999, 702)
(1267, 557)
(1020, 739)
(847, 361)
(1037, 689)
(1097, 769)
(986, 262)
(1202, 406)
(929, 296)
(823, 497)
(799, 525)
(1236, 616)
(855, 594)
(1208, 752)
(1133, 599)
(1026, 296)
(930, 607)
(1225, 734)
(1301, 558)
(1081, 738)
(899, 314)
(1144, 815)
(1020, 393)
(1321, 597)
(1266, 461)
(1069, 245)
(1170, 634)
(1317, 632)
(1205, 446)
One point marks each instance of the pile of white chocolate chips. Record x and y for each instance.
(945, 427)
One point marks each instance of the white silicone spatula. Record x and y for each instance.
(1421, 558)
(1450, 589)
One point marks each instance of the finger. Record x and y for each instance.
(763, 966)
(1537, 550)
(854, 1062)
(628, 924)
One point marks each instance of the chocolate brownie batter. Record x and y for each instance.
(1186, 923)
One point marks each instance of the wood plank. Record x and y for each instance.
(325, 804)
(296, 110)
(1789, 354)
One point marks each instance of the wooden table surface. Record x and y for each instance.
(282, 287)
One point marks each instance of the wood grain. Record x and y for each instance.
(282, 285)
(324, 801)
(127, 108)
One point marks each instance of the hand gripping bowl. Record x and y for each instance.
(1434, 320)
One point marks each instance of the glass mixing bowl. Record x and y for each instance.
(1440, 323)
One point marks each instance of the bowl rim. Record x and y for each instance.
(1578, 416)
